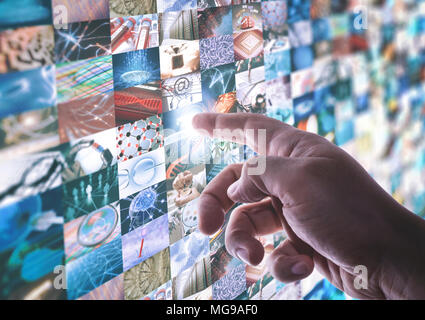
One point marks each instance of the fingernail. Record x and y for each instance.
(299, 268)
(232, 189)
(242, 255)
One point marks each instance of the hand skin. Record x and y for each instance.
(335, 215)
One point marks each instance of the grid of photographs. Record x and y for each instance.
(101, 171)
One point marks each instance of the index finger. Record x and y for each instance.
(259, 132)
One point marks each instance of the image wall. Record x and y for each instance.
(101, 171)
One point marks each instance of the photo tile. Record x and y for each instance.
(216, 21)
(135, 68)
(136, 138)
(275, 27)
(279, 102)
(203, 4)
(28, 132)
(216, 51)
(94, 269)
(216, 82)
(178, 25)
(187, 251)
(30, 174)
(152, 273)
(82, 10)
(134, 33)
(25, 13)
(90, 193)
(102, 171)
(277, 64)
(32, 229)
(88, 155)
(298, 10)
(125, 8)
(176, 5)
(164, 292)
(111, 290)
(26, 48)
(82, 40)
(144, 242)
(138, 103)
(231, 285)
(141, 172)
(84, 79)
(91, 231)
(179, 57)
(181, 91)
(27, 90)
(81, 118)
(300, 34)
(143, 207)
(192, 280)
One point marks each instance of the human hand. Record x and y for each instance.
(183, 185)
(183, 180)
(335, 215)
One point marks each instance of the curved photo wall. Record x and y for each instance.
(101, 171)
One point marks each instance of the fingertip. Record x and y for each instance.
(210, 215)
(289, 268)
(252, 256)
(203, 121)
(301, 268)
(209, 225)
(244, 247)
(207, 229)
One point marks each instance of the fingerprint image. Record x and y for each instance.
(231, 285)
(216, 51)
